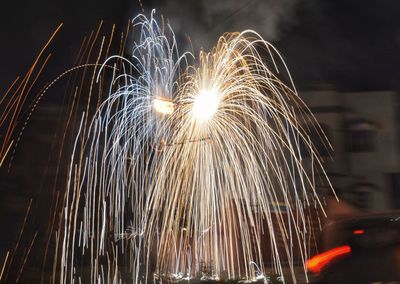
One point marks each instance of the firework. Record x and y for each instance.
(108, 188)
(14, 100)
(189, 168)
(232, 154)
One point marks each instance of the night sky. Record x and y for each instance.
(351, 45)
(343, 44)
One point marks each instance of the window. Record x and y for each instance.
(360, 136)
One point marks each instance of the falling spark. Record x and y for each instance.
(16, 97)
(5, 154)
(4, 265)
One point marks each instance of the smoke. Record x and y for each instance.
(203, 21)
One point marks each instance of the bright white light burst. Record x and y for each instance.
(205, 104)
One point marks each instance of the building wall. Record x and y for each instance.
(360, 177)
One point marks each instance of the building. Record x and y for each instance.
(363, 129)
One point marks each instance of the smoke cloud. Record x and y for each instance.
(203, 21)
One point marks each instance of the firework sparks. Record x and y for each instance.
(113, 187)
(214, 200)
(180, 172)
(15, 98)
(197, 208)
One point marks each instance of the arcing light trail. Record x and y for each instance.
(179, 173)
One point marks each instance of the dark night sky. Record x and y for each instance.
(353, 45)
(26, 26)
(348, 44)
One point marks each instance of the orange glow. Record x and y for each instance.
(358, 232)
(318, 262)
(163, 106)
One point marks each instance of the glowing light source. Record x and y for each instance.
(205, 104)
(318, 262)
(358, 232)
(163, 106)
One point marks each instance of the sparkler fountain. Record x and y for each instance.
(179, 173)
